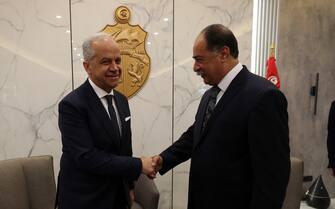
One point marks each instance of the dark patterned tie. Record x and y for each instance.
(213, 92)
(112, 112)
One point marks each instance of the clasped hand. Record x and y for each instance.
(151, 165)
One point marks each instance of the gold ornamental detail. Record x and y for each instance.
(134, 57)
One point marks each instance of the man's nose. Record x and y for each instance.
(113, 66)
(196, 67)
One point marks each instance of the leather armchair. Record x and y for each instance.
(146, 194)
(27, 183)
(294, 187)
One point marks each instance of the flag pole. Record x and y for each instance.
(272, 50)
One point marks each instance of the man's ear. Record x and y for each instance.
(87, 67)
(224, 53)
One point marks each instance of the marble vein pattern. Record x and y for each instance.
(35, 74)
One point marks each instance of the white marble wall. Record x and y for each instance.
(36, 72)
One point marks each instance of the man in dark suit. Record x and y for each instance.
(97, 169)
(331, 138)
(239, 141)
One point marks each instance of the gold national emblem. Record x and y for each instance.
(135, 60)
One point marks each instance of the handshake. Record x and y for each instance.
(151, 165)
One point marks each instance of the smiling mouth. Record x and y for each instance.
(114, 76)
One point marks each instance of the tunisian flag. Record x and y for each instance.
(272, 72)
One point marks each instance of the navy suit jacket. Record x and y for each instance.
(331, 136)
(241, 159)
(96, 168)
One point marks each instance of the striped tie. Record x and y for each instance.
(213, 92)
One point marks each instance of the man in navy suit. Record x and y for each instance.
(97, 169)
(239, 141)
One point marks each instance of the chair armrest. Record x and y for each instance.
(146, 193)
(294, 187)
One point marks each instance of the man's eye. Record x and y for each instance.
(105, 62)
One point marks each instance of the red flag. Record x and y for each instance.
(272, 72)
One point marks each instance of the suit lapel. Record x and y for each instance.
(121, 110)
(235, 86)
(98, 109)
(122, 106)
(199, 118)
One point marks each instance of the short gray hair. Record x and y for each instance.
(88, 51)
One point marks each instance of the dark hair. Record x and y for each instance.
(217, 36)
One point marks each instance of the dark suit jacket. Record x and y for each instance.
(241, 160)
(96, 168)
(331, 136)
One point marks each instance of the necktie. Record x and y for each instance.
(112, 112)
(213, 92)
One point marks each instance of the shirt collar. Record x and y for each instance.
(99, 91)
(224, 83)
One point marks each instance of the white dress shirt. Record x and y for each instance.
(225, 82)
(101, 94)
